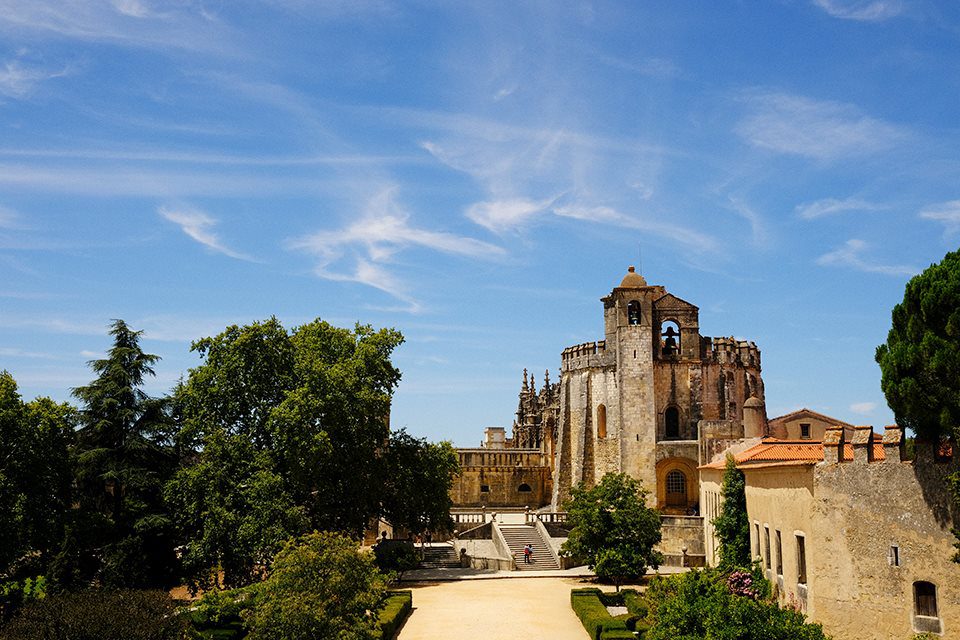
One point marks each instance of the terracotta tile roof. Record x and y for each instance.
(771, 450)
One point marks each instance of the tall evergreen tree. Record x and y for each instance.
(122, 460)
(732, 525)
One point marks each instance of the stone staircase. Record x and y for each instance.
(518, 535)
(439, 556)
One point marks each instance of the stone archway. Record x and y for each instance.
(678, 486)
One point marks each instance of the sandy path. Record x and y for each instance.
(507, 609)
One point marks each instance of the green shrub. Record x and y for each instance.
(701, 604)
(395, 610)
(98, 615)
(14, 594)
(586, 603)
(617, 634)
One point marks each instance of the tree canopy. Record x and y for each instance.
(920, 361)
(613, 529)
(320, 586)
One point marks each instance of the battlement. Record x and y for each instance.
(729, 350)
(864, 447)
(586, 355)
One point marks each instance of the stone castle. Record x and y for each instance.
(645, 400)
(845, 526)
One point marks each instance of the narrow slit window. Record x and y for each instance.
(801, 560)
(766, 546)
(779, 553)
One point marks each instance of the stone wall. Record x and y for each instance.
(495, 478)
(862, 511)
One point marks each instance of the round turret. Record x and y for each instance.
(754, 418)
(632, 280)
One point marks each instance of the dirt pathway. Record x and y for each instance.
(506, 609)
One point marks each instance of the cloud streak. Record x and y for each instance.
(946, 213)
(19, 81)
(383, 230)
(822, 130)
(861, 10)
(199, 226)
(832, 206)
(850, 255)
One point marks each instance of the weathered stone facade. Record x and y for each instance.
(633, 402)
(850, 532)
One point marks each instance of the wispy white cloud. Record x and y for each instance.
(861, 10)
(946, 213)
(850, 255)
(13, 352)
(682, 235)
(382, 230)
(863, 408)
(818, 129)
(18, 80)
(182, 25)
(506, 215)
(758, 226)
(833, 206)
(199, 225)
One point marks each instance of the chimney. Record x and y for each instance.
(893, 444)
(833, 445)
(863, 444)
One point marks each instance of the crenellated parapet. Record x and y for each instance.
(725, 350)
(586, 356)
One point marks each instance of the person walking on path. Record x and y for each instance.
(527, 553)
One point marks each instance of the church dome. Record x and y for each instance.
(632, 279)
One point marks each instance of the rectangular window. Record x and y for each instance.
(925, 599)
(804, 431)
(756, 540)
(766, 546)
(484, 488)
(801, 560)
(894, 555)
(779, 554)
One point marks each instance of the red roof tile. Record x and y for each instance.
(773, 450)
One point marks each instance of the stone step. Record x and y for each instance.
(518, 536)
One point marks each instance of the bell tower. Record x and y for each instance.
(629, 323)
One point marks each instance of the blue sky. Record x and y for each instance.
(477, 175)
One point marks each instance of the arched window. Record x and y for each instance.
(633, 312)
(676, 488)
(601, 421)
(925, 599)
(524, 488)
(671, 420)
(669, 338)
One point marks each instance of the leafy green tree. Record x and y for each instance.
(237, 512)
(35, 478)
(122, 459)
(732, 525)
(613, 529)
(320, 586)
(417, 480)
(305, 413)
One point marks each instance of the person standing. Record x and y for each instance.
(527, 553)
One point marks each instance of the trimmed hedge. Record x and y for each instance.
(395, 611)
(598, 622)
